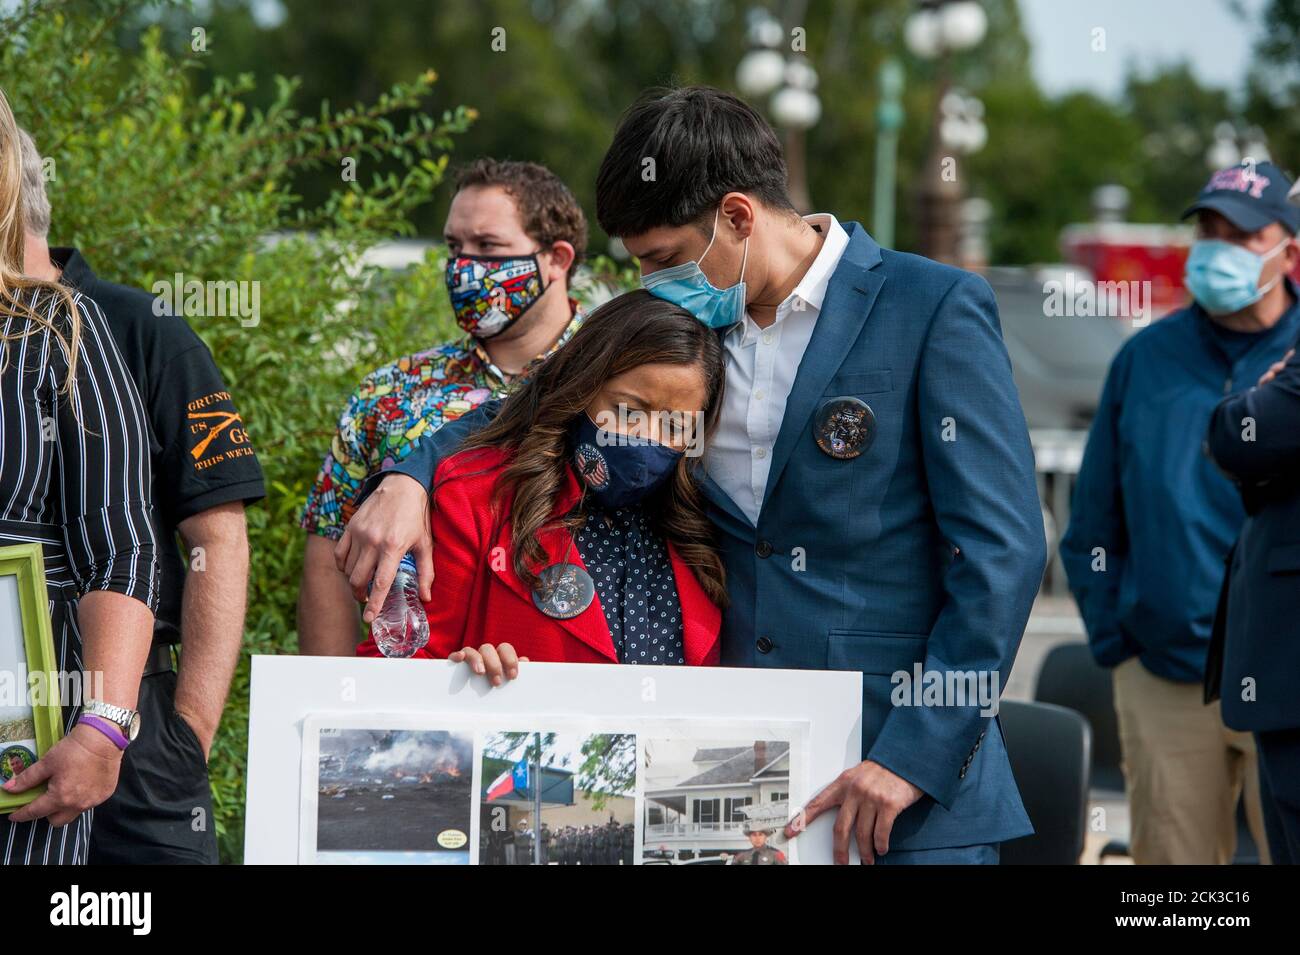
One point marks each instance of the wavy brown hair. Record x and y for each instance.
(627, 332)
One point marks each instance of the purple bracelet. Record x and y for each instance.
(111, 730)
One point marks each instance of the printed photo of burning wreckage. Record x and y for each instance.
(393, 796)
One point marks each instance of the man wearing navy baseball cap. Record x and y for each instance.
(1245, 245)
(1255, 656)
(1153, 519)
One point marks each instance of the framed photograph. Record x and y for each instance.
(368, 760)
(31, 716)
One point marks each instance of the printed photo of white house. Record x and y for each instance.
(699, 795)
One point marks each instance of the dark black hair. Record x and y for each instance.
(704, 143)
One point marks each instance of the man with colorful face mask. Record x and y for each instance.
(515, 234)
(1153, 519)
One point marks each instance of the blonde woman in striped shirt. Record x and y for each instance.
(74, 477)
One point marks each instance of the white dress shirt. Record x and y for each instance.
(761, 366)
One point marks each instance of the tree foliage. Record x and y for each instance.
(552, 91)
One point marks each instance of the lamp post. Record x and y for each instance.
(791, 83)
(937, 29)
(889, 119)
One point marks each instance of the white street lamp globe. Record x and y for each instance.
(953, 103)
(922, 34)
(962, 134)
(952, 132)
(765, 31)
(1256, 145)
(801, 74)
(1257, 151)
(794, 108)
(760, 72)
(1222, 154)
(962, 25)
(976, 210)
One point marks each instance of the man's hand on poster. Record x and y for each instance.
(80, 771)
(869, 798)
(498, 663)
(1275, 368)
(391, 522)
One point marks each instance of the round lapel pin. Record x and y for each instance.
(845, 427)
(563, 591)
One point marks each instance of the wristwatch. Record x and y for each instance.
(127, 720)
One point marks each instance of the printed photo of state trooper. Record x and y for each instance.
(759, 827)
(716, 801)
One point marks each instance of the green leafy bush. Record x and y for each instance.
(150, 177)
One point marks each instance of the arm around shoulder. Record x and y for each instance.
(1255, 436)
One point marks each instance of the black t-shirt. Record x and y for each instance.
(1235, 343)
(201, 454)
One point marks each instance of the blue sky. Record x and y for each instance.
(1208, 33)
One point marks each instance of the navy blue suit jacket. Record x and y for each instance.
(1255, 438)
(926, 549)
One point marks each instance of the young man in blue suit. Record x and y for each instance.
(871, 478)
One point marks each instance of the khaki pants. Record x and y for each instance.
(1185, 772)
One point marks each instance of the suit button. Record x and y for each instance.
(764, 549)
(764, 645)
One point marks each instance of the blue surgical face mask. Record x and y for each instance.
(618, 469)
(685, 285)
(1224, 277)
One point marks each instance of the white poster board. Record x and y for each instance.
(673, 713)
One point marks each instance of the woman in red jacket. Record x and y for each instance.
(570, 529)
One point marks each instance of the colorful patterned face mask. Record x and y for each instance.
(489, 293)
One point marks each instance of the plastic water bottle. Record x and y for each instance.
(401, 626)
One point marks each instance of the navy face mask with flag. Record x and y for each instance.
(618, 469)
(489, 293)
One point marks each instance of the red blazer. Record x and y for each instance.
(478, 598)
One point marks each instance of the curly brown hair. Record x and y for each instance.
(627, 332)
(548, 209)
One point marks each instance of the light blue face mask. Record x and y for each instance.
(1224, 277)
(686, 286)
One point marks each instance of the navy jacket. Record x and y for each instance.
(1255, 438)
(926, 549)
(1152, 518)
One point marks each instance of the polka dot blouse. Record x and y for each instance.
(629, 564)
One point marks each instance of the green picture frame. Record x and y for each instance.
(27, 664)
